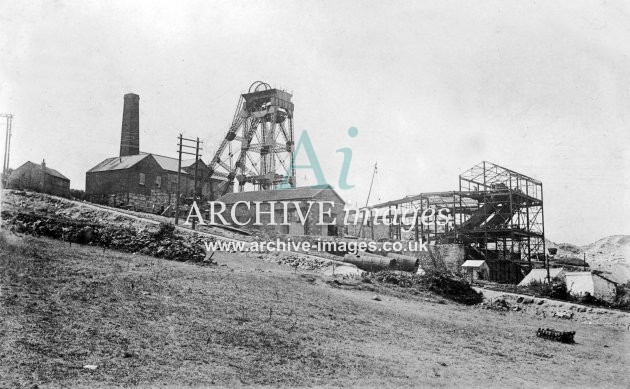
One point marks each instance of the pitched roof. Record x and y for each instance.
(590, 274)
(302, 193)
(170, 164)
(118, 163)
(473, 263)
(50, 171)
(606, 277)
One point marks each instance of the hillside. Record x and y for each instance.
(144, 321)
(137, 320)
(610, 254)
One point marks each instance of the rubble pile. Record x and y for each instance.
(296, 260)
(163, 243)
(563, 315)
(497, 305)
(304, 263)
(396, 277)
(558, 336)
(445, 286)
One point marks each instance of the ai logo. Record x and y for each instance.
(305, 142)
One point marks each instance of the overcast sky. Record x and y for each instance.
(434, 87)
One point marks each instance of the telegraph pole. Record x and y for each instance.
(195, 179)
(7, 146)
(179, 168)
(367, 201)
(181, 145)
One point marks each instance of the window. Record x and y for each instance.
(141, 179)
(158, 181)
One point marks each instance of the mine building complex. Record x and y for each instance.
(496, 215)
(146, 181)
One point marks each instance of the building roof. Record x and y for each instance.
(170, 164)
(589, 274)
(48, 170)
(472, 263)
(578, 273)
(607, 277)
(540, 275)
(118, 163)
(121, 163)
(302, 193)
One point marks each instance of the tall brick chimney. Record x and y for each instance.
(130, 137)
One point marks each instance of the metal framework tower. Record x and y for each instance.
(258, 147)
(507, 228)
(497, 214)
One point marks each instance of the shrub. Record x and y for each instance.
(165, 231)
(623, 296)
(77, 194)
(557, 289)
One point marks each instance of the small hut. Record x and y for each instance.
(476, 270)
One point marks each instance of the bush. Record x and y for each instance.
(165, 231)
(623, 296)
(77, 194)
(557, 289)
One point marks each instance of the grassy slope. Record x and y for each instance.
(146, 321)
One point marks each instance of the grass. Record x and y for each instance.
(145, 321)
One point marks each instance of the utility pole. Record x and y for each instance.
(7, 146)
(195, 180)
(367, 201)
(179, 168)
(180, 151)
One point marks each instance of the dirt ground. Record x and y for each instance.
(145, 322)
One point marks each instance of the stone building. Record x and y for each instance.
(39, 178)
(302, 196)
(145, 181)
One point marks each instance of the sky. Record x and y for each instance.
(433, 87)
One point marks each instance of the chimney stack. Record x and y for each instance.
(130, 137)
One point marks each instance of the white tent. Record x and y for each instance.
(540, 275)
(581, 283)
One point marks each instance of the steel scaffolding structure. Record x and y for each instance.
(497, 214)
(258, 146)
